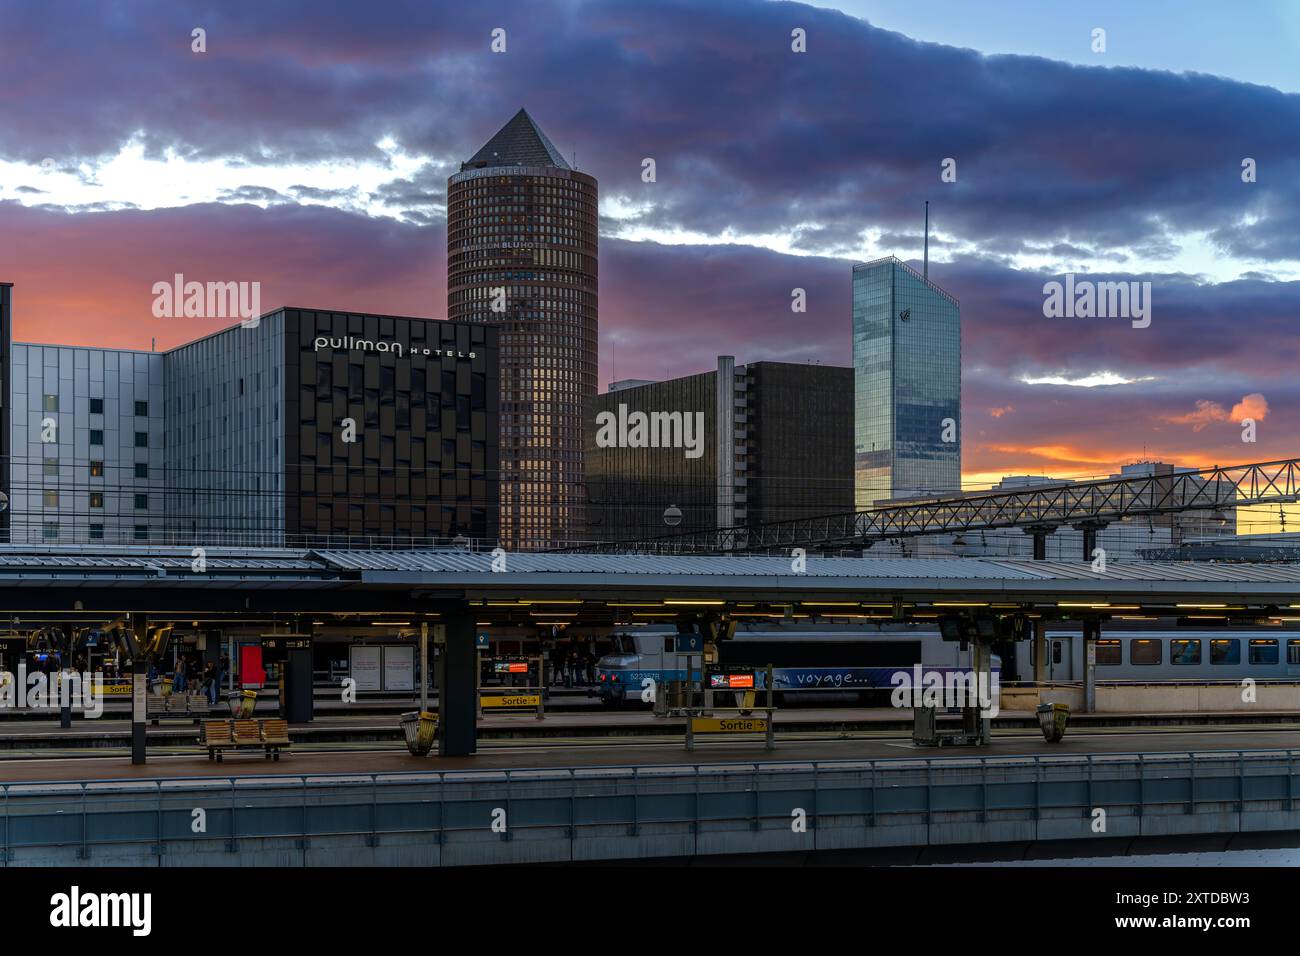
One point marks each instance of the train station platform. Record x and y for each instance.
(38, 736)
(574, 754)
(539, 801)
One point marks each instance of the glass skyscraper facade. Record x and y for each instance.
(907, 384)
(521, 254)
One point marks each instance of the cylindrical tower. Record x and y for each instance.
(521, 253)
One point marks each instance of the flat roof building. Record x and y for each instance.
(305, 427)
(730, 448)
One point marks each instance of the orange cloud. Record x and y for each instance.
(1253, 406)
(999, 412)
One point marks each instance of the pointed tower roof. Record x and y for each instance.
(520, 142)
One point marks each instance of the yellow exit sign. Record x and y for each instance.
(728, 725)
(512, 700)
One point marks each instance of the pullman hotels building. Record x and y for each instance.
(306, 428)
(521, 254)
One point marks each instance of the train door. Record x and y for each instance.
(1060, 657)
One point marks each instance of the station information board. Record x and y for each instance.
(508, 666)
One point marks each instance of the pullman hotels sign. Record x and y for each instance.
(351, 344)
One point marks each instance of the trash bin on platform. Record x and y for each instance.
(419, 727)
(1053, 718)
(241, 703)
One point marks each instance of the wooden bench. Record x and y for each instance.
(271, 735)
(192, 705)
(216, 736)
(275, 735)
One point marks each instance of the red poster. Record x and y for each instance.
(251, 673)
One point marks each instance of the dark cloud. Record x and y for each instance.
(747, 135)
(1053, 160)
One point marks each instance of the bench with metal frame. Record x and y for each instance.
(192, 705)
(270, 735)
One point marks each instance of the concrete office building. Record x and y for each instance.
(87, 437)
(522, 247)
(777, 444)
(309, 427)
(907, 384)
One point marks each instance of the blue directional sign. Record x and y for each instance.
(694, 643)
(481, 641)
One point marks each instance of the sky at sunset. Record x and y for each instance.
(308, 149)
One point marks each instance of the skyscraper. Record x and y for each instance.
(907, 384)
(522, 253)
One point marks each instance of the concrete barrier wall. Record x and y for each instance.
(1159, 698)
(627, 813)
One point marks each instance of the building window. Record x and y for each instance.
(97, 468)
(141, 501)
(51, 499)
(96, 406)
(1263, 652)
(141, 470)
(96, 532)
(1227, 651)
(142, 409)
(142, 532)
(96, 499)
(52, 466)
(141, 439)
(51, 531)
(96, 436)
(51, 403)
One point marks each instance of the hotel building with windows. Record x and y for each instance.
(304, 428)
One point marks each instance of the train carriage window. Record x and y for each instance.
(1110, 652)
(1226, 651)
(1263, 652)
(1056, 652)
(1293, 652)
(668, 645)
(1144, 652)
(1185, 652)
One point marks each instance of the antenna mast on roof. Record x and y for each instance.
(925, 259)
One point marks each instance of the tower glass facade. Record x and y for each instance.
(521, 254)
(907, 384)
